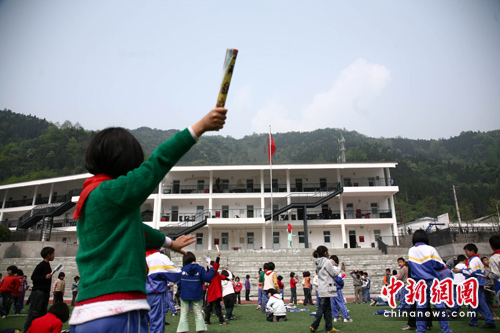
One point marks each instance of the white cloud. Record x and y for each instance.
(351, 95)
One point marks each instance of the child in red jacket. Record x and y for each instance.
(214, 294)
(8, 285)
(53, 321)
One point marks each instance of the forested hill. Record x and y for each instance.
(33, 148)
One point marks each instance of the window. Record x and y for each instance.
(199, 238)
(371, 181)
(374, 207)
(201, 185)
(326, 236)
(322, 183)
(225, 185)
(249, 185)
(298, 184)
(302, 239)
(377, 235)
(276, 237)
(250, 237)
(275, 185)
(175, 213)
(177, 186)
(225, 212)
(249, 210)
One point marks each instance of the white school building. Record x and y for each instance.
(341, 205)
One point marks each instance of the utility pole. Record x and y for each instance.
(458, 209)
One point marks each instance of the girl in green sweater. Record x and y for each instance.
(112, 237)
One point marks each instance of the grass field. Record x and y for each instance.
(250, 320)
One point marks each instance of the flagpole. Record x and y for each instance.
(271, 177)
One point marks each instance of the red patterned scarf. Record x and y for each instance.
(88, 186)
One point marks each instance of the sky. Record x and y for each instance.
(425, 69)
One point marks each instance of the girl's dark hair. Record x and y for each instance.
(61, 274)
(20, 272)
(237, 278)
(320, 251)
(114, 152)
(292, 274)
(420, 236)
(247, 277)
(306, 273)
(224, 272)
(271, 266)
(280, 278)
(76, 278)
(188, 258)
(394, 272)
(335, 258)
(266, 266)
(60, 310)
(460, 258)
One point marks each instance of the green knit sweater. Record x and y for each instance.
(111, 257)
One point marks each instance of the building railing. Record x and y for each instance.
(276, 187)
(57, 223)
(42, 200)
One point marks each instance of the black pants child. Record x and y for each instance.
(218, 311)
(247, 295)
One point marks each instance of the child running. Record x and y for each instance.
(112, 237)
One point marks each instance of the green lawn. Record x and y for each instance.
(250, 320)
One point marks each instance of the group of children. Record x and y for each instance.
(425, 264)
(12, 291)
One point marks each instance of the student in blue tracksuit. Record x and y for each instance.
(161, 272)
(338, 302)
(475, 269)
(425, 264)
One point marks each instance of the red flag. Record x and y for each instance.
(272, 148)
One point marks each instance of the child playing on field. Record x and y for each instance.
(326, 288)
(214, 294)
(306, 282)
(42, 281)
(110, 227)
(237, 289)
(494, 274)
(425, 264)
(228, 294)
(275, 307)
(475, 268)
(270, 282)
(161, 272)
(293, 288)
(282, 286)
(53, 321)
(338, 302)
(74, 289)
(247, 288)
(58, 288)
(8, 285)
(191, 292)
